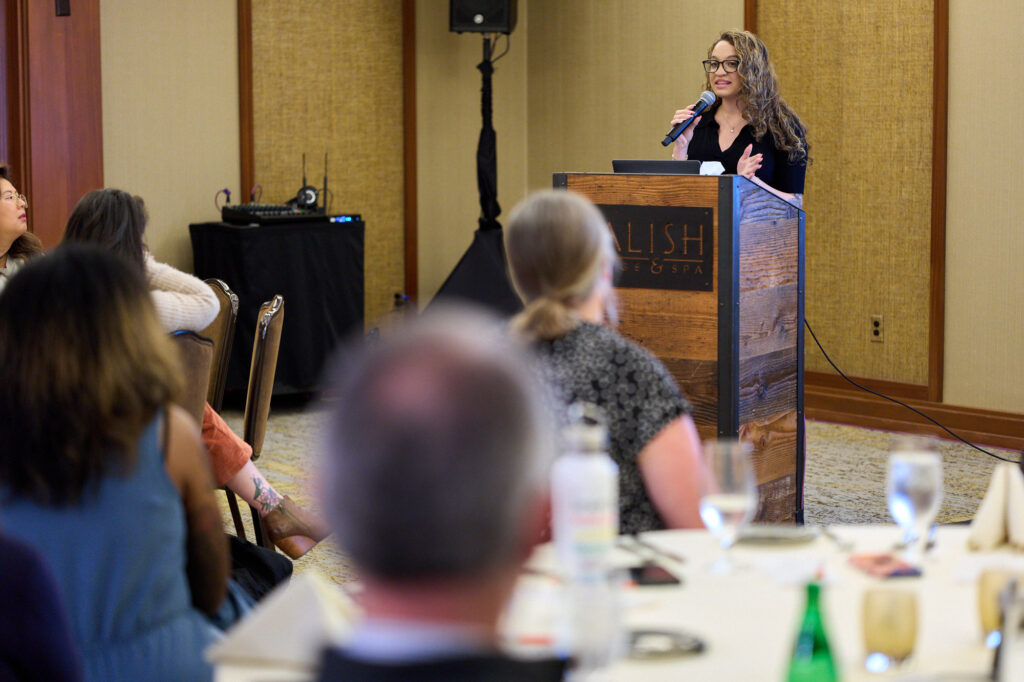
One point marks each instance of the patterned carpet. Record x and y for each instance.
(845, 477)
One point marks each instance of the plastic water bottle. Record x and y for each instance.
(585, 506)
(585, 496)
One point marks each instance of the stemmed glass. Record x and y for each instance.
(914, 489)
(729, 494)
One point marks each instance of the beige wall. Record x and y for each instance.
(448, 124)
(984, 361)
(605, 77)
(585, 81)
(565, 99)
(170, 111)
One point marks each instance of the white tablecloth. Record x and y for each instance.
(748, 619)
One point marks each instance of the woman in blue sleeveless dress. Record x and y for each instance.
(101, 474)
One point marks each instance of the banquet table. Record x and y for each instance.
(748, 618)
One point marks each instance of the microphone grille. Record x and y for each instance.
(707, 97)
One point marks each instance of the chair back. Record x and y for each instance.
(196, 353)
(262, 371)
(222, 332)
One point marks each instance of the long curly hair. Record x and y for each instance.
(763, 106)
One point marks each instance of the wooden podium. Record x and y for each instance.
(712, 282)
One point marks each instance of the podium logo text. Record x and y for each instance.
(663, 247)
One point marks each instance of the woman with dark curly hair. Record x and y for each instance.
(749, 129)
(16, 244)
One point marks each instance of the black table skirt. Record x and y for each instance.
(317, 267)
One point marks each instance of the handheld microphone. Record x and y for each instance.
(707, 98)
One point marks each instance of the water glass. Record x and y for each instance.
(991, 582)
(728, 493)
(889, 623)
(914, 489)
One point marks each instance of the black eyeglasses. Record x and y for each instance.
(711, 65)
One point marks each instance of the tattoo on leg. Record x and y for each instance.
(265, 497)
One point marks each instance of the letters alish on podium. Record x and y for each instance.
(712, 283)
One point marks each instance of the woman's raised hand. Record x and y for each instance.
(748, 165)
(682, 142)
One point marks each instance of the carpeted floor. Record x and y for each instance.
(845, 477)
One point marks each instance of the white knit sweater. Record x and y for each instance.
(182, 301)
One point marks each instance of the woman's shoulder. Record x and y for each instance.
(624, 351)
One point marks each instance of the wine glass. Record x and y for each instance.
(729, 494)
(914, 489)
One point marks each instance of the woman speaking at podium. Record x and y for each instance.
(749, 129)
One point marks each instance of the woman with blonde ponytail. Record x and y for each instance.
(562, 260)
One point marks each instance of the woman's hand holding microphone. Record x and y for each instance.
(682, 142)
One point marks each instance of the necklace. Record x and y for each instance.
(733, 126)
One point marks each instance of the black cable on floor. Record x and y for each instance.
(894, 400)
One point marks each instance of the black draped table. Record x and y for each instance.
(317, 267)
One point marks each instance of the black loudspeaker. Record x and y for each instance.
(482, 16)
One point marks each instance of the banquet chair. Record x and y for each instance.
(261, 385)
(222, 332)
(196, 353)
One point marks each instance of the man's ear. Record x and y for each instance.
(536, 524)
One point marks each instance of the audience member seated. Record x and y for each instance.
(117, 221)
(101, 473)
(16, 245)
(437, 462)
(35, 636)
(562, 259)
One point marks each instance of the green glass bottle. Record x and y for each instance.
(812, 659)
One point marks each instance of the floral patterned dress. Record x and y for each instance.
(594, 364)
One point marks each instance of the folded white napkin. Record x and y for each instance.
(289, 627)
(1000, 517)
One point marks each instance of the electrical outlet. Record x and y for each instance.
(877, 329)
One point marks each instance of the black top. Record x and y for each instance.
(35, 634)
(776, 169)
(336, 666)
(639, 397)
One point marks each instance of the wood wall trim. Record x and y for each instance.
(245, 104)
(16, 92)
(893, 389)
(857, 408)
(937, 273)
(411, 230)
(750, 15)
(55, 108)
(4, 48)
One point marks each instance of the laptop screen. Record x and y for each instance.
(656, 166)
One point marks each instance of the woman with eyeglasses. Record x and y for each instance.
(749, 129)
(16, 244)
